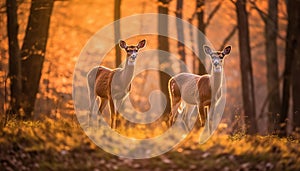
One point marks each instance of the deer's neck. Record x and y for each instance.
(216, 81)
(121, 81)
(127, 73)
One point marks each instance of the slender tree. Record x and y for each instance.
(271, 27)
(294, 7)
(246, 66)
(33, 52)
(179, 27)
(201, 40)
(14, 55)
(163, 45)
(290, 55)
(117, 15)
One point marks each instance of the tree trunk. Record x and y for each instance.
(272, 63)
(201, 39)
(117, 15)
(295, 12)
(14, 56)
(290, 52)
(180, 34)
(246, 67)
(33, 52)
(163, 45)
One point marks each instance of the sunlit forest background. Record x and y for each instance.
(40, 43)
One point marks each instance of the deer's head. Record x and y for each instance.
(217, 57)
(132, 50)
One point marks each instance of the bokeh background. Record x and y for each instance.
(262, 110)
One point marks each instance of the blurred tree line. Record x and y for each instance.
(26, 61)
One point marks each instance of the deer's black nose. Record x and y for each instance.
(133, 56)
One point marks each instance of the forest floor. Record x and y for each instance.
(62, 145)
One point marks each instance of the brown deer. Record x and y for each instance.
(197, 90)
(112, 85)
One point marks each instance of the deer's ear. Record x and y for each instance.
(122, 44)
(207, 50)
(227, 50)
(141, 44)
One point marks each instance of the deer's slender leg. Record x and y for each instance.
(175, 98)
(112, 114)
(175, 103)
(174, 114)
(118, 121)
(91, 110)
(103, 103)
(206, 112)
(92, 103)
(201, 113)
(186, 117)
(90, 114)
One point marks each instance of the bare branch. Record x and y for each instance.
(212, 14)
(193, 15)
(233, 1)
(229, 36)
(265, 17)
(262, 14)
(282, 6)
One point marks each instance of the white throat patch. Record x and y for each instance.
(218, 69)
(131, 62)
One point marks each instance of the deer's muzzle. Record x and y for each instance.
(132, 57)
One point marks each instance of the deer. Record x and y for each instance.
(111, 86)
(199, 90)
